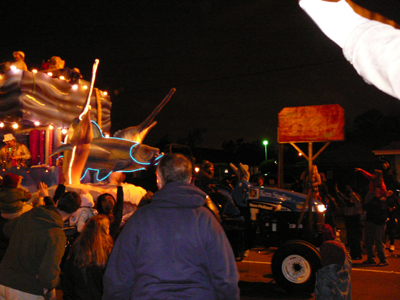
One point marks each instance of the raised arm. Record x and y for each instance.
(370, 46)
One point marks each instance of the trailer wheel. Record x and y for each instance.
(294, 266)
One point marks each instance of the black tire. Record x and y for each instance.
(294, 266)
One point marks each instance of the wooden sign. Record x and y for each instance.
(316, 123)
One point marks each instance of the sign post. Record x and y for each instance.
(308, 124)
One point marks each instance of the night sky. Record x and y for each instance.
(235, 64)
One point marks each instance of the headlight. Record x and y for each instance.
(321, 208)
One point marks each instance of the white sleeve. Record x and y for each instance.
(336, 19)
(373, 49)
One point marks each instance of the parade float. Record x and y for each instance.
(66, 126)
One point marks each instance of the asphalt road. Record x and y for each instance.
(368, 282)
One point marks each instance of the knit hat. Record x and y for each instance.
(333, 252)
(10, 180)
(327, 231)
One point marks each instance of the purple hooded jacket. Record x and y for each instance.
(173, 248)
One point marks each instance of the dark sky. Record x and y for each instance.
(235, 64)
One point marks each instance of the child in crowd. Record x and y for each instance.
(85, 212)
(334, 278)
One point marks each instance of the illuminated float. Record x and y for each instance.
(55, 117)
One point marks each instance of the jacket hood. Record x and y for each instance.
(181, 195)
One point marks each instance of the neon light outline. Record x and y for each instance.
(98, 172)
(156, 160)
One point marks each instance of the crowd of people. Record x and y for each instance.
(174, 247)
(142, 258)
(374, 213)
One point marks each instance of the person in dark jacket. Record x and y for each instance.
(174, 247)
(82, 277)
(205, 181)
(393, 207)
(376, 215)
(106, 205)
(31, 266)
(352, 219)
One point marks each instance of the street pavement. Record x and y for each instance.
(368, 281)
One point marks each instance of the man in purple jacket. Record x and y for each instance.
(173, 248)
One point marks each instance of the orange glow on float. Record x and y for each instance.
(87, 105)
(70, 165)
(34, 71)
(50, 74)
(75, 87)
(64, 131)
(15, 126)
(13, 68)
(51, 127)
(62, 77)
(1, 125)
(37, 123)
(105, 93)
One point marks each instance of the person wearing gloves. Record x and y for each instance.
(370, 46)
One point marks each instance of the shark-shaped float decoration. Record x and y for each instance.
(124, 152)
(112, 154)
(87, 149)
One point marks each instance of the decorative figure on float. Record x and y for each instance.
(87, 148)
(124, 152)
